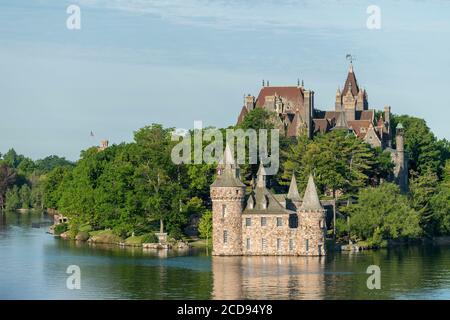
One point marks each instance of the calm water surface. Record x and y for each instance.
(33, 266)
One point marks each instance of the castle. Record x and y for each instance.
(296, 115)
(262, 223)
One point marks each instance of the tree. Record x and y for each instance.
(382, 213)
(49, 163)
(25, 196)
(12, 199)
(205, 225)
(8, 177)
(424, 151)
(258, 118)
(422, 189)
(338, 161)
(12, 159)
(440, 204)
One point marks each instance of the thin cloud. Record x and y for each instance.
(233, 14)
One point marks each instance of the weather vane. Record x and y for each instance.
(350, 58)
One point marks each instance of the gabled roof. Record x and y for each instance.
(242, 115)
(341, 121)
(365, 115)
(357, 126)
(294, 125)
(264, 202)
(294, 94)
(321, 125)
(311, 200)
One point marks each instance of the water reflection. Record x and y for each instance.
(268, 277)
(33, 266)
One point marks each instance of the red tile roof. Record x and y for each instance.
(292, 94)
(242, 115)
(293, 126)
(321, 125)
(351, 79)
(356, 125)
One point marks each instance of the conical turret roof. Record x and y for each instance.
(311, 200)
(229, 176)
(293, 190)
(261, 176)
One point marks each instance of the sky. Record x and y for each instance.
(138, 62)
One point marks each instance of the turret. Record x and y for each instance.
(312, 222)
(401, 160)
(249, 102)
(227, 195)
(293, 199)
(338, 101)
(309, 111)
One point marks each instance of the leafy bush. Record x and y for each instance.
(60, 228)
(150, 238)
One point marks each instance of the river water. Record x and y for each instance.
(33, 265)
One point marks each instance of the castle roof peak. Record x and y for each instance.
(350, 83)
(311, 200)
(261, 176)
(293, 190)
(228, 172)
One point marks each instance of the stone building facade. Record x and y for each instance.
(262, 223)
(297, 116)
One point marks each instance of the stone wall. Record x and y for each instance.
(228, 220)
(271, 233)
(306, 240)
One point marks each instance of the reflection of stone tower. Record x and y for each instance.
(400, 160)
(227, 278)
(312, 222)
(268, 277)
(227, 195)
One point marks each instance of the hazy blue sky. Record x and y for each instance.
(136, 62)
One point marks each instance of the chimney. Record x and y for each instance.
(250, 102)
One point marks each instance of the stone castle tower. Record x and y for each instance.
(262, 223)
(227, 195)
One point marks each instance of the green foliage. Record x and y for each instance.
(61, 228)
(149, 238)
(424, 150)
(382, 213)
(440, 204)
(258, 118)
(338, 161)
(422, 189)
(25, 197)
(43, 166)
(12, 199)
(8, 178)
(205, 225)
